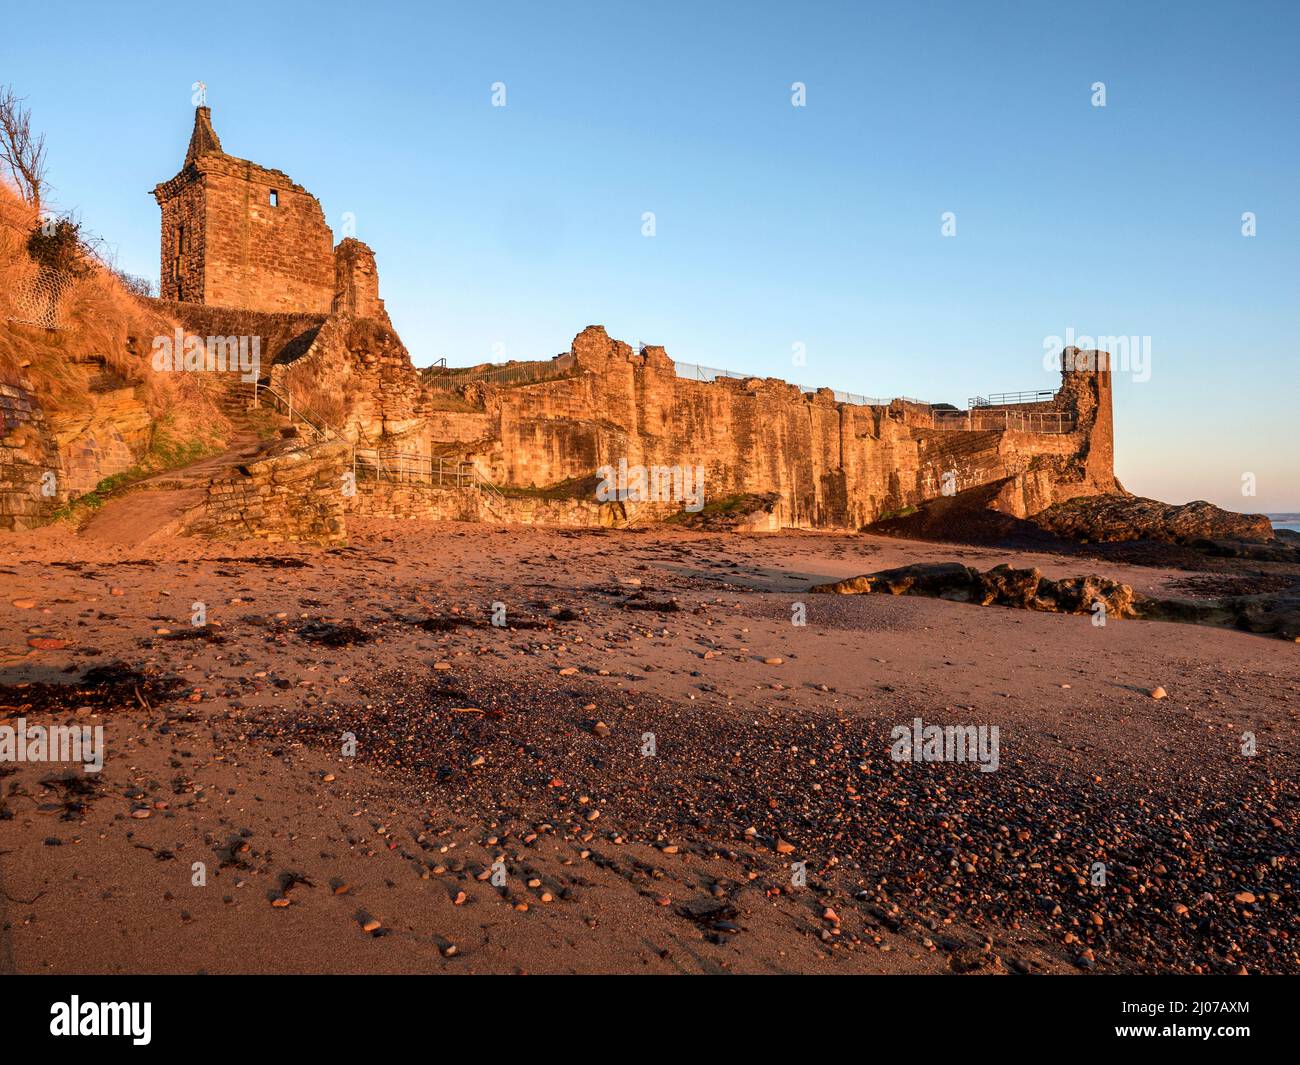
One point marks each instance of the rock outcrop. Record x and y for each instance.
(1003, 585)
(1116, 518)
(1273, 614)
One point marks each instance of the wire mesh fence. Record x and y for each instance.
(694, 372)
(37, 296)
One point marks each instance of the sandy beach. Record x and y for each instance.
(650, 767)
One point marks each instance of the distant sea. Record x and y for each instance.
(1285, 521)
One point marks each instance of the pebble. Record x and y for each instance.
(1158, 693)
(46, 643)
(371, 925)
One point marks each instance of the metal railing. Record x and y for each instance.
(404, 467)
(694, 372)
(392, 467)
(1001, 399)
(315, 424)
(983, 418)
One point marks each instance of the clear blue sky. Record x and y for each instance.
(501, 232)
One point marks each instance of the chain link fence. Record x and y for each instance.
(36, 296)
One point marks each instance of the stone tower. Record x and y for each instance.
(235, 234)
(356, 281)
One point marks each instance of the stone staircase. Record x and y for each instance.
(176, 495)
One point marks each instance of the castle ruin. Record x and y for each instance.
(244, 242)
(237, 234)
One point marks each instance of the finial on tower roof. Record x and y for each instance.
(204, 138)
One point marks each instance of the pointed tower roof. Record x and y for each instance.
(204, 138)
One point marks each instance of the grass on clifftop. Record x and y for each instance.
(572, 488)
(733, 506)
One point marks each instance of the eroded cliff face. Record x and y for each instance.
(50, 453)
(106, 435)
(831, 465)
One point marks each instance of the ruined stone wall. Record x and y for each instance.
(236, 234)
(356, 281)
(832, 465)
(27, 454)
(183, 235)
(408, 501)
(258, 256)
(294, 495)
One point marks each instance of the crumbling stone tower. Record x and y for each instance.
(356, 281)
(236, 234)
